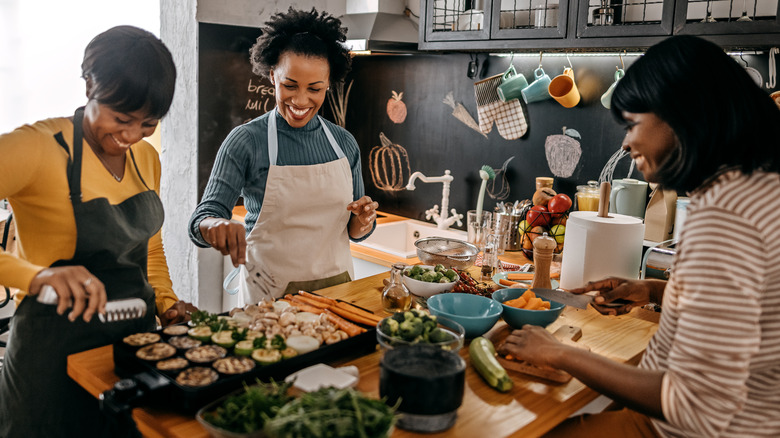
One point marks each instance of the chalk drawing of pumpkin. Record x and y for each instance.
(389, 165)
(396, 108)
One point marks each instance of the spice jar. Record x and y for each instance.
(395, 296)
(544, 246)
(587, 197)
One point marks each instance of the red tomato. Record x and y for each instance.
(537, 216)
(560, 203)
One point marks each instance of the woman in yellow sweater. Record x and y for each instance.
(84, 192)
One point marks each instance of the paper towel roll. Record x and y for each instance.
(598, 247)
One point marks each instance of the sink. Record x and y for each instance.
(397, 238)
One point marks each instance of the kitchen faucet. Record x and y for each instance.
(442, 220)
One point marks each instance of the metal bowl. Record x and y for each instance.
(452, 253)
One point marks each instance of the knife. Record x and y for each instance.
(117, 310)
(577, 300)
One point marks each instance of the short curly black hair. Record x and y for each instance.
(312, 33)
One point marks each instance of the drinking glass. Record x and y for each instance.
(478, 229)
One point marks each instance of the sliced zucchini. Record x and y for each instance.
(202, 333)
(244, 348)
(224, 339)
(266, 357)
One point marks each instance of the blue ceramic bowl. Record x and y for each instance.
(475, 313)
(516, 318)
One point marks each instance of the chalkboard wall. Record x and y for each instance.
(432, 137)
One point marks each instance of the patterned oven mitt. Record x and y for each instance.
(509, 116)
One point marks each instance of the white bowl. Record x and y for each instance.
(426, 289)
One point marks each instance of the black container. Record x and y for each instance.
(430, 383)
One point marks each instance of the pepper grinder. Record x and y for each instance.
(544, 246)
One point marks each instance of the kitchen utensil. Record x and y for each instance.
(451, 253)
(628, 197)
(512, 84)
(538, 89)
(117, 310)
(563, 89)
(544, 246)
(426, 289)
(485, 173)
(428, 382)
(577, 300)
(477, 314)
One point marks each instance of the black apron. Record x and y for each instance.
(37, 398)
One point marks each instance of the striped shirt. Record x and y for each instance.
(241, 166)
(718, 339)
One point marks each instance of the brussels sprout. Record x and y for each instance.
(416, 270)
(451, 274)
(439, 268)
(429, 277)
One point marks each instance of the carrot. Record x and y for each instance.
(534, 304)
(302, 306)
(326, 300)
(528, 295)
(520, 276)
(311, 302)
(352, 316)
(504, 282)
(555, 275)
(517, 302)
(343, 324)
(359, 311)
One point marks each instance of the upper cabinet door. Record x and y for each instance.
(529, 19)
(624, 18)
(757, 19)
(457, 20)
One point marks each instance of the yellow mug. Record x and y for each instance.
(563, 89)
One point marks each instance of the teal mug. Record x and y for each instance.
(606, 98)
(512, 84)
(538, 89)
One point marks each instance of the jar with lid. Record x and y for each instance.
(605, 15)
(395, 295)
(587, 197)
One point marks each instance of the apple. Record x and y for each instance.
(538, 216)
(559, 219)
(535, 232)
(558, 232)
(559, 204)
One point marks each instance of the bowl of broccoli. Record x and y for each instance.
(426, 281)
(415, 327)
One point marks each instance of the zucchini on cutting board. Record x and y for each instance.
(566, 334)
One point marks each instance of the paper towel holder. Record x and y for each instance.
(604, 191)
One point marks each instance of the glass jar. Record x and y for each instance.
(395, 296)
(587, 197)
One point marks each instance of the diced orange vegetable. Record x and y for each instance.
(528, 295)
(534, 303)
(545, 305)
(517, 302)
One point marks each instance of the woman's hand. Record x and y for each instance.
(363, 216)
(226, 236)
(633, 293)
(534, 345)
(177, 313)
(75, 286)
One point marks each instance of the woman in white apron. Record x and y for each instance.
(299, 174)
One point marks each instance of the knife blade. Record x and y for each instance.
(563, 297)
(117, 310)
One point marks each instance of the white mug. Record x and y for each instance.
(628, 197)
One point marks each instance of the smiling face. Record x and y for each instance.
(112, 132)
(300, 83)
(649, 140)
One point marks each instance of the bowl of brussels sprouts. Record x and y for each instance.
(426, 280)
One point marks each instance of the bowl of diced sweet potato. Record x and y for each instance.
(522, 306)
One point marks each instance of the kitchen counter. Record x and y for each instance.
(530, 409)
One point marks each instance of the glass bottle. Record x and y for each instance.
(395, 295)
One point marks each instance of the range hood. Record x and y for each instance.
(379, 26)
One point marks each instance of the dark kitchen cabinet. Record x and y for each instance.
(505, 25)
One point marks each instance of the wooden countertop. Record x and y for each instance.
(530, 409)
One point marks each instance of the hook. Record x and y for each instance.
(620, 55)
(512, 57)
(540, 59)
(743, 59)
(568, 59)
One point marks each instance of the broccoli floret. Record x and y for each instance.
(418, 313)
(410, 329)
(278, 343)
(429, 277)
(399, 317)
(259, 342)
(408, 316)
(429, 325)
(438, 335)
(439, 268)
(390, 326)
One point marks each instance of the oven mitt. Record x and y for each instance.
(509, 116)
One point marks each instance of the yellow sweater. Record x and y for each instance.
(33, 178)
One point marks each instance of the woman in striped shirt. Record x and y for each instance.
(696, 123)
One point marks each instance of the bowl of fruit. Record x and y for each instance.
(549, 214)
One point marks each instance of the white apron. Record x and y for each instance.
(300, 240)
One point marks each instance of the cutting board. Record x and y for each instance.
(567, 334)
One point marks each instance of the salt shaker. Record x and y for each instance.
(544, 246)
